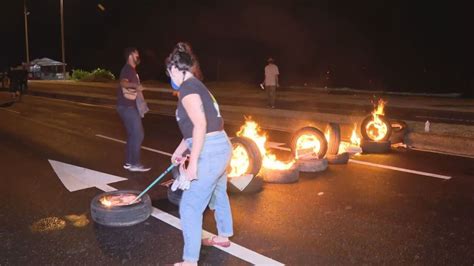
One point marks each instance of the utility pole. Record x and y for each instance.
(26, 13)
(62, 38)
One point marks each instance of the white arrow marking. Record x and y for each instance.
(76, 178)
(241, 182)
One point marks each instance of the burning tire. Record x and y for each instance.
(369, 146)
(399, 130)
(341, 158)
(248, 149)
(334, 138)
(312, 165)
(245, 164)
(123, 215)
(290, 175)
(309, 140)
(368, 129)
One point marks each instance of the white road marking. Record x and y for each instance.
(95, 105)
(400, 169)
(76, 178)
(276, 145)
(236, 250)
(11, 111)
(143, 147)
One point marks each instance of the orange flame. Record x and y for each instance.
(376, 129)
(379, 109)
(252, 130)
(105, 201)
(308, 145)
(355, 139)
(240, 161)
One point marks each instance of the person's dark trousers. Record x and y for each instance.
(271, 91)
(135, 134)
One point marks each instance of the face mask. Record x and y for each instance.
(174, 85)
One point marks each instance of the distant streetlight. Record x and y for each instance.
(26, 13)
(62, 38)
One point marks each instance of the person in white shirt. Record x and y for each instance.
(271, 81)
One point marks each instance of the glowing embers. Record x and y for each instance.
(118, 200)
(48, 224)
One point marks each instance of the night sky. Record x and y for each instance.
(384, 45)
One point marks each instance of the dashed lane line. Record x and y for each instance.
(143, 147)
(11, 111)
(400, 169)
(277, 145)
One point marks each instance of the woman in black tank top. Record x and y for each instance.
(201, 124)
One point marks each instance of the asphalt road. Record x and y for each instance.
(349, 214)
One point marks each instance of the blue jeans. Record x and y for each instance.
(135, 134)
(209, 189)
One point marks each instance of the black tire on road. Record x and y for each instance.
(255, 157)
(174, 196)
(313, 165)
(399, 130)
(367, 120)
(310, 131)
(341, 158)
(369, 146)
(334, 138)
(280, 176)
(120, 215)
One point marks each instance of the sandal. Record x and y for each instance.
(212, 242)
